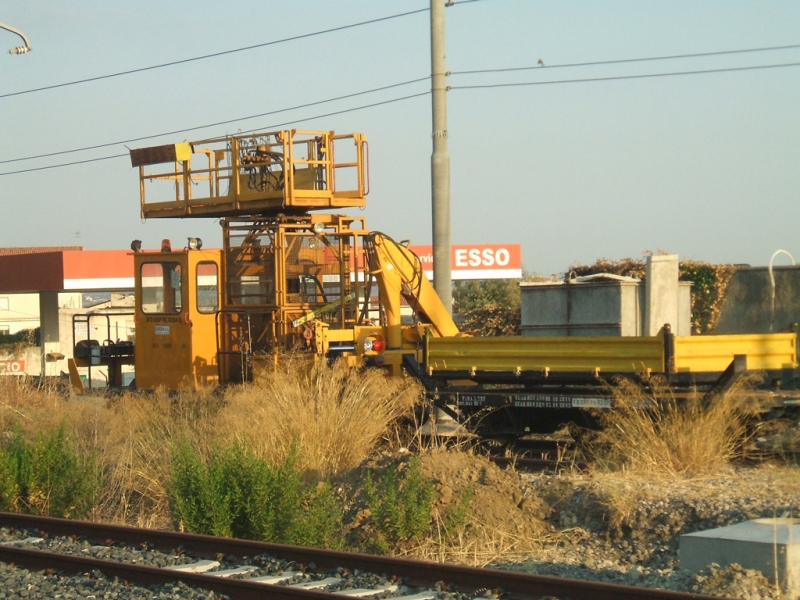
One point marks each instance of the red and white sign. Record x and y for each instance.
(12, 367)
(477, 261)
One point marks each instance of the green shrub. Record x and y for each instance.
(47, 477)
(236, 494)
(457, 514)
(9, 488)
(400, 504)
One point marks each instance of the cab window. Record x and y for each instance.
(161, 287)
(207, 287)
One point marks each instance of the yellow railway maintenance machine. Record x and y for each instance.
(289, 275)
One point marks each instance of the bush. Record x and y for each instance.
(236, 494)
(400, 505)
(655, 432)
(9, 488)
(47, 477)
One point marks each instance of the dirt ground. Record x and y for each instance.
(505, 514)
(605, 527)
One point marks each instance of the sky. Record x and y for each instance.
(706, 166)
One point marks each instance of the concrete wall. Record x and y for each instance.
(605, 307)
(599, 308)
(661, 293)
(748, 307)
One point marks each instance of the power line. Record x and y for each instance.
(267, 127)
(425, 93)
(345, 110)
(228, 121)
(477, 71)
(69, 164)
(628, 60)
(618, 77)
(215, 54)
(218, 123)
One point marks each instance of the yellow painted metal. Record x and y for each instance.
(183, 151)
(175, 340)
(715, 352)
(75, 380)
(566, 354)
(329, 306)
(399, 273)
(253, 174)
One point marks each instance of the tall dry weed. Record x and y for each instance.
(656, 432)
(333, 415)
(136, 441)
(129, 437)
(22, 402)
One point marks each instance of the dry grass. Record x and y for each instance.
(656, 433)
(478, 546)
(333, 415)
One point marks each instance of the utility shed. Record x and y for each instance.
(605, 304)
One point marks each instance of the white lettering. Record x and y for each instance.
(502, 257)
(461, 257)
(488, 257)
(474, 257)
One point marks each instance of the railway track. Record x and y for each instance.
(247, 569)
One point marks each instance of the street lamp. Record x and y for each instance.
(19, 49)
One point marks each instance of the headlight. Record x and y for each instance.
(374, 345)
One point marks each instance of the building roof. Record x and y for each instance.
(44, 270)
(36, 249)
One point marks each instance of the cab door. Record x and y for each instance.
(163, 328)
(204, 303)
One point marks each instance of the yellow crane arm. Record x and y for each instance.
(399, 273)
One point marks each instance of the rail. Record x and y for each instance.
(474, 582)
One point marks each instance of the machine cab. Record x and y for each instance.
(177, 300)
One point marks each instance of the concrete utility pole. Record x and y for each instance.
(440, 160)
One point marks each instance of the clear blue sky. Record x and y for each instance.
(706, 166)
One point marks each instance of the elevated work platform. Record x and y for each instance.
(289, 171)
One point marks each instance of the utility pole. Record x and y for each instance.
(440, 159)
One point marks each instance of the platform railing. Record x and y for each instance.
(253, 174)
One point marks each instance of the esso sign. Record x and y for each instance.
(477, 261)
(486, 257)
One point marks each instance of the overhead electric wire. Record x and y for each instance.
(353, 109)
(619, 77)
(226, 52)
(338, 112)
(628, 60)
(218, 123)
(469, 72)
(216, 54)
(69, 164)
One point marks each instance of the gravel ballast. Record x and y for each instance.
(626, 530)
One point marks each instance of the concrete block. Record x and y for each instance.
(771, 546)
(661, 293)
